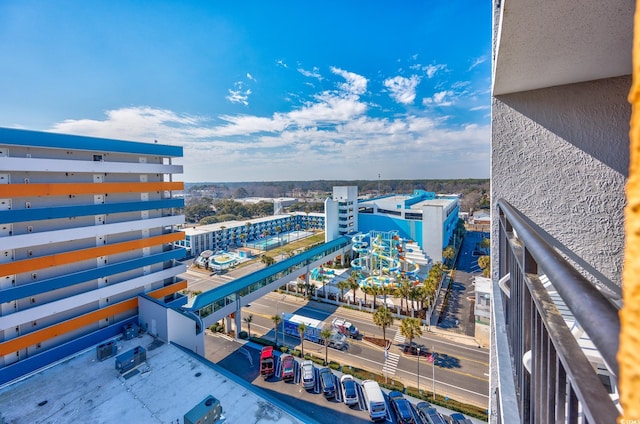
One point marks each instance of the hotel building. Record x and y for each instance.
(86, 225)
(426, 218)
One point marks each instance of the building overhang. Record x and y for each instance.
(549, 43)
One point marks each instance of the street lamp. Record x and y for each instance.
(418, 370)
(283, 296)
(433, 363)
(282, 329)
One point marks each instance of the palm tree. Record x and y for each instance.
(431, 284)
(375, 291)
(354, 284)
(243, 238)
(343, 285)
(367, 290)
(248, 320)
(402, 291)
(484, 262)
(326, 334)
(301, 330)
(267, 260)
(277, 319)
(382, 317)
(322, 278)
(287, 226)
(298, 230)
(414, 294)
(265, 233)
(448, 253)
(410, 328)
(278, 231)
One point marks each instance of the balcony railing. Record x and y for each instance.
(544, 372)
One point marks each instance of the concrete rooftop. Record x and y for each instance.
(171, 382)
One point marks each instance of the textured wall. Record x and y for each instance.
(561, 155)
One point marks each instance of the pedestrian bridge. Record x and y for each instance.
(217, 303)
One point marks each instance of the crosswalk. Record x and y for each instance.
(391, 358)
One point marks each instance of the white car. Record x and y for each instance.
(308, 375)
(349, 390)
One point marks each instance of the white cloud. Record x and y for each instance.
(356, 84)
(249, 76)
(432, 69)
(442, 98)
(332, 135)
(238, 96)
(403, 90)
(311, 74)
(477, 62)
(484, 107)
(281, 62)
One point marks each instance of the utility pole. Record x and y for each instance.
(378, 185)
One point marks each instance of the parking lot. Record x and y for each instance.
(312, 402)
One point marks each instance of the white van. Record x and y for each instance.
(374, 399)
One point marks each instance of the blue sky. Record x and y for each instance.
(259, 90)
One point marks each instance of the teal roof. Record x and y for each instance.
(17, 137)
(211, 296)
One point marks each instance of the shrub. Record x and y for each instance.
(217, 327)
(296, 352)
(243, 335)
(261, 341)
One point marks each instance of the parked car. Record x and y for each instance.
(288, 368)
(349, 390)
(327, 383)
(402, 408)
(459, 419)
(428, 414)
(308, 375)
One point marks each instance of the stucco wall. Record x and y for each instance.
(560, 155)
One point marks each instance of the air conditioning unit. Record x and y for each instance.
(106, 350)
(131, 359)
(209, 411)
(129, 331)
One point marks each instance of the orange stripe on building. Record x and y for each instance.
(166, 291)
(73, 324)
(65, 189)
(33, 264)
(56, 330)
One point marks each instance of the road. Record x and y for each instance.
(461, 370)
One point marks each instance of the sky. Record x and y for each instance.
(260, 90)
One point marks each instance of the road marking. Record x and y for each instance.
(391, 363)
(399, 338)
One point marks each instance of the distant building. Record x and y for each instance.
(279, 203)
(341, 212)
(482, 310)
(88, 224)
(427, 218)
(233, 234)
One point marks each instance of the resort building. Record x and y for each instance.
(87, 226)
(560, 161)
(262, 233)
(425, 218)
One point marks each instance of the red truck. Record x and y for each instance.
(266, 362)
